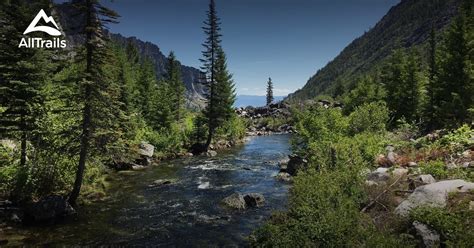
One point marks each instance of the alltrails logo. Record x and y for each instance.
(40, 42)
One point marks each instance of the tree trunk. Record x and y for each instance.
(86, 114)
(23, 144)
(83, 152)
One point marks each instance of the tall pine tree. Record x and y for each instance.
(456, 81)
(269, 91)
(92, 84)
(22, 75)
(211, 46)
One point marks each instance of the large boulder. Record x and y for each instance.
(241, 202)
(146, 150)
(235, 201)
(296, 164)
(433, 195)
(48, 209)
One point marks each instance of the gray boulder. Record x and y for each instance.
(146, 150)
(241, 202)
(235, 201)
(283, 176)
(433, 195)
(379, 175)
(211, 153)
(430, 237)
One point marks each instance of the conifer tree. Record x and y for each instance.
(225, 90)
(402, 80)
(95, 55)
(432, 86)
(269, 91)
(175, 81)
(211, 46)
(456, 93)
(22, 75)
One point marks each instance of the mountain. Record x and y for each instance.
(407, 24)
(255, 101)
(194, 89)
(70, 24)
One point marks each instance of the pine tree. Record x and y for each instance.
(175, 81)
(211, 46)
(22, 75)
(225, 90)
(402, 80)
(455, 77)
(95, 17)
(432, 87)
(269, 91)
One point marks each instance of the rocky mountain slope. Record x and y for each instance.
(405, 25)
(68, 20)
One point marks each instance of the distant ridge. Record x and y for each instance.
(406, 24)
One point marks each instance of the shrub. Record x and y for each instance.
(436, 168)
(454, 225)
(371, 117)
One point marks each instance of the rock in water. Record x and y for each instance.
(236, 201)
(211, 153)
(433, 195)
(49, 208)
(254, 200)
(430, 237)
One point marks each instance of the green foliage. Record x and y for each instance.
(367, 90)
(371, 117)
(325, 200)
(436, 168)
(406, 22)
(324, 212)
(269, 96)
(454, 225)
(402, 78)
(233, 129)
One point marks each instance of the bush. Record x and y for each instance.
(436, 168)
(371, 117)
(454, 225)
(232, 130)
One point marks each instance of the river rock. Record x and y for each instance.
(284, 176)
(235, 201)
(254, 200)
(430, 237)
(433, 195)
(145, 149)
(49, 208)
(295, 164)
(161, 182)
(211, 153)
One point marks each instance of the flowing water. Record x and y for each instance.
(187, 213)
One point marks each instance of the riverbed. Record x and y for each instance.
(186, 213)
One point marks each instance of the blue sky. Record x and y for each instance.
(288, 40)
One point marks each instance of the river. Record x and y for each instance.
(187, 213)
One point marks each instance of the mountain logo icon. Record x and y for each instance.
(48, 19)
